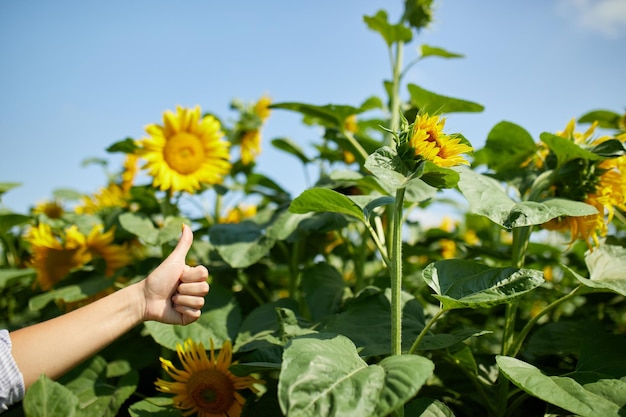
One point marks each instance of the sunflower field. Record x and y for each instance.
(339, 301)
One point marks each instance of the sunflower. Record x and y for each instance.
(186, 152)
(262, 108)
(106, 197)
(608, 193)
(130, 171)
(54, 255)
(100, 245)
(239, 213)
(205, 387)
(429, 142)
(250, 146)
(52, 209)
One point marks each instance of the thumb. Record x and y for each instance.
(182, 247)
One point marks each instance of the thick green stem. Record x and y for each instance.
(394, 100)
(395, 272)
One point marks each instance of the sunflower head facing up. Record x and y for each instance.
(205, 387)
(428, 142)
(186, 152)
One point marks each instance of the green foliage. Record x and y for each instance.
(345, 299)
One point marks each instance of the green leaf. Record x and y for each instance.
(375, 203)
(6, 186)
(70, 293)
(127, 145)
(439, 177)
(427, 407)
(392, 172)
(606, 118)
(289, 146)
(97, 395)
(241, 244)
(606, 265)
(141, 226)
(323, 288)
(329, 115)
(404, 376)
(324, 200)
(46, 398)
(445, 340)
(426, 51)
(220, 321)
(466, 284)
(9, 276)
(612, 148)
(566, 150)
(10, 220)
(486, 197)
(323, 375)
(561, 391)
(366, 319)
(508, 145)
(432, 103)
(391, 33)
(154, 407)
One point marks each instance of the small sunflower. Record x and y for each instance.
(54, 255)
(262, 108)
(608, 191)
(100, 245)
(130, 171)
(52, 209)
(250, 146)
(205, 387)
(186, 152)
(429, 142)
(239, 213)
(106, 197)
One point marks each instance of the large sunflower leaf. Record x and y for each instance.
(465, 284)
(47, 398)
(486, 197)
(436, 104)
(325, 200)
(606, 266)
(508, 145)
(323, 375)
(366, 319)
(241, 244)
(606, 118)
(154, 407)
(562, 391)
(566, 150)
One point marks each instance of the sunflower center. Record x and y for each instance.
(184, 153)
(211, 391)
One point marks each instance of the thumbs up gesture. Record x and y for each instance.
(174, 292)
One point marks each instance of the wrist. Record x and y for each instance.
(136, 301)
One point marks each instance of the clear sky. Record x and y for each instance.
(77, 76)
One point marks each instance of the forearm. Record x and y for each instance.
(55, 346)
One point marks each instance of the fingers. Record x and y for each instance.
(195, 274)
(189, 315)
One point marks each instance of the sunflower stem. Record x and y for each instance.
(395, 272)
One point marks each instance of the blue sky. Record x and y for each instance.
(77, 76)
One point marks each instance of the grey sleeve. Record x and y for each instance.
(11, 379)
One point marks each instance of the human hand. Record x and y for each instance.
(174, 292)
